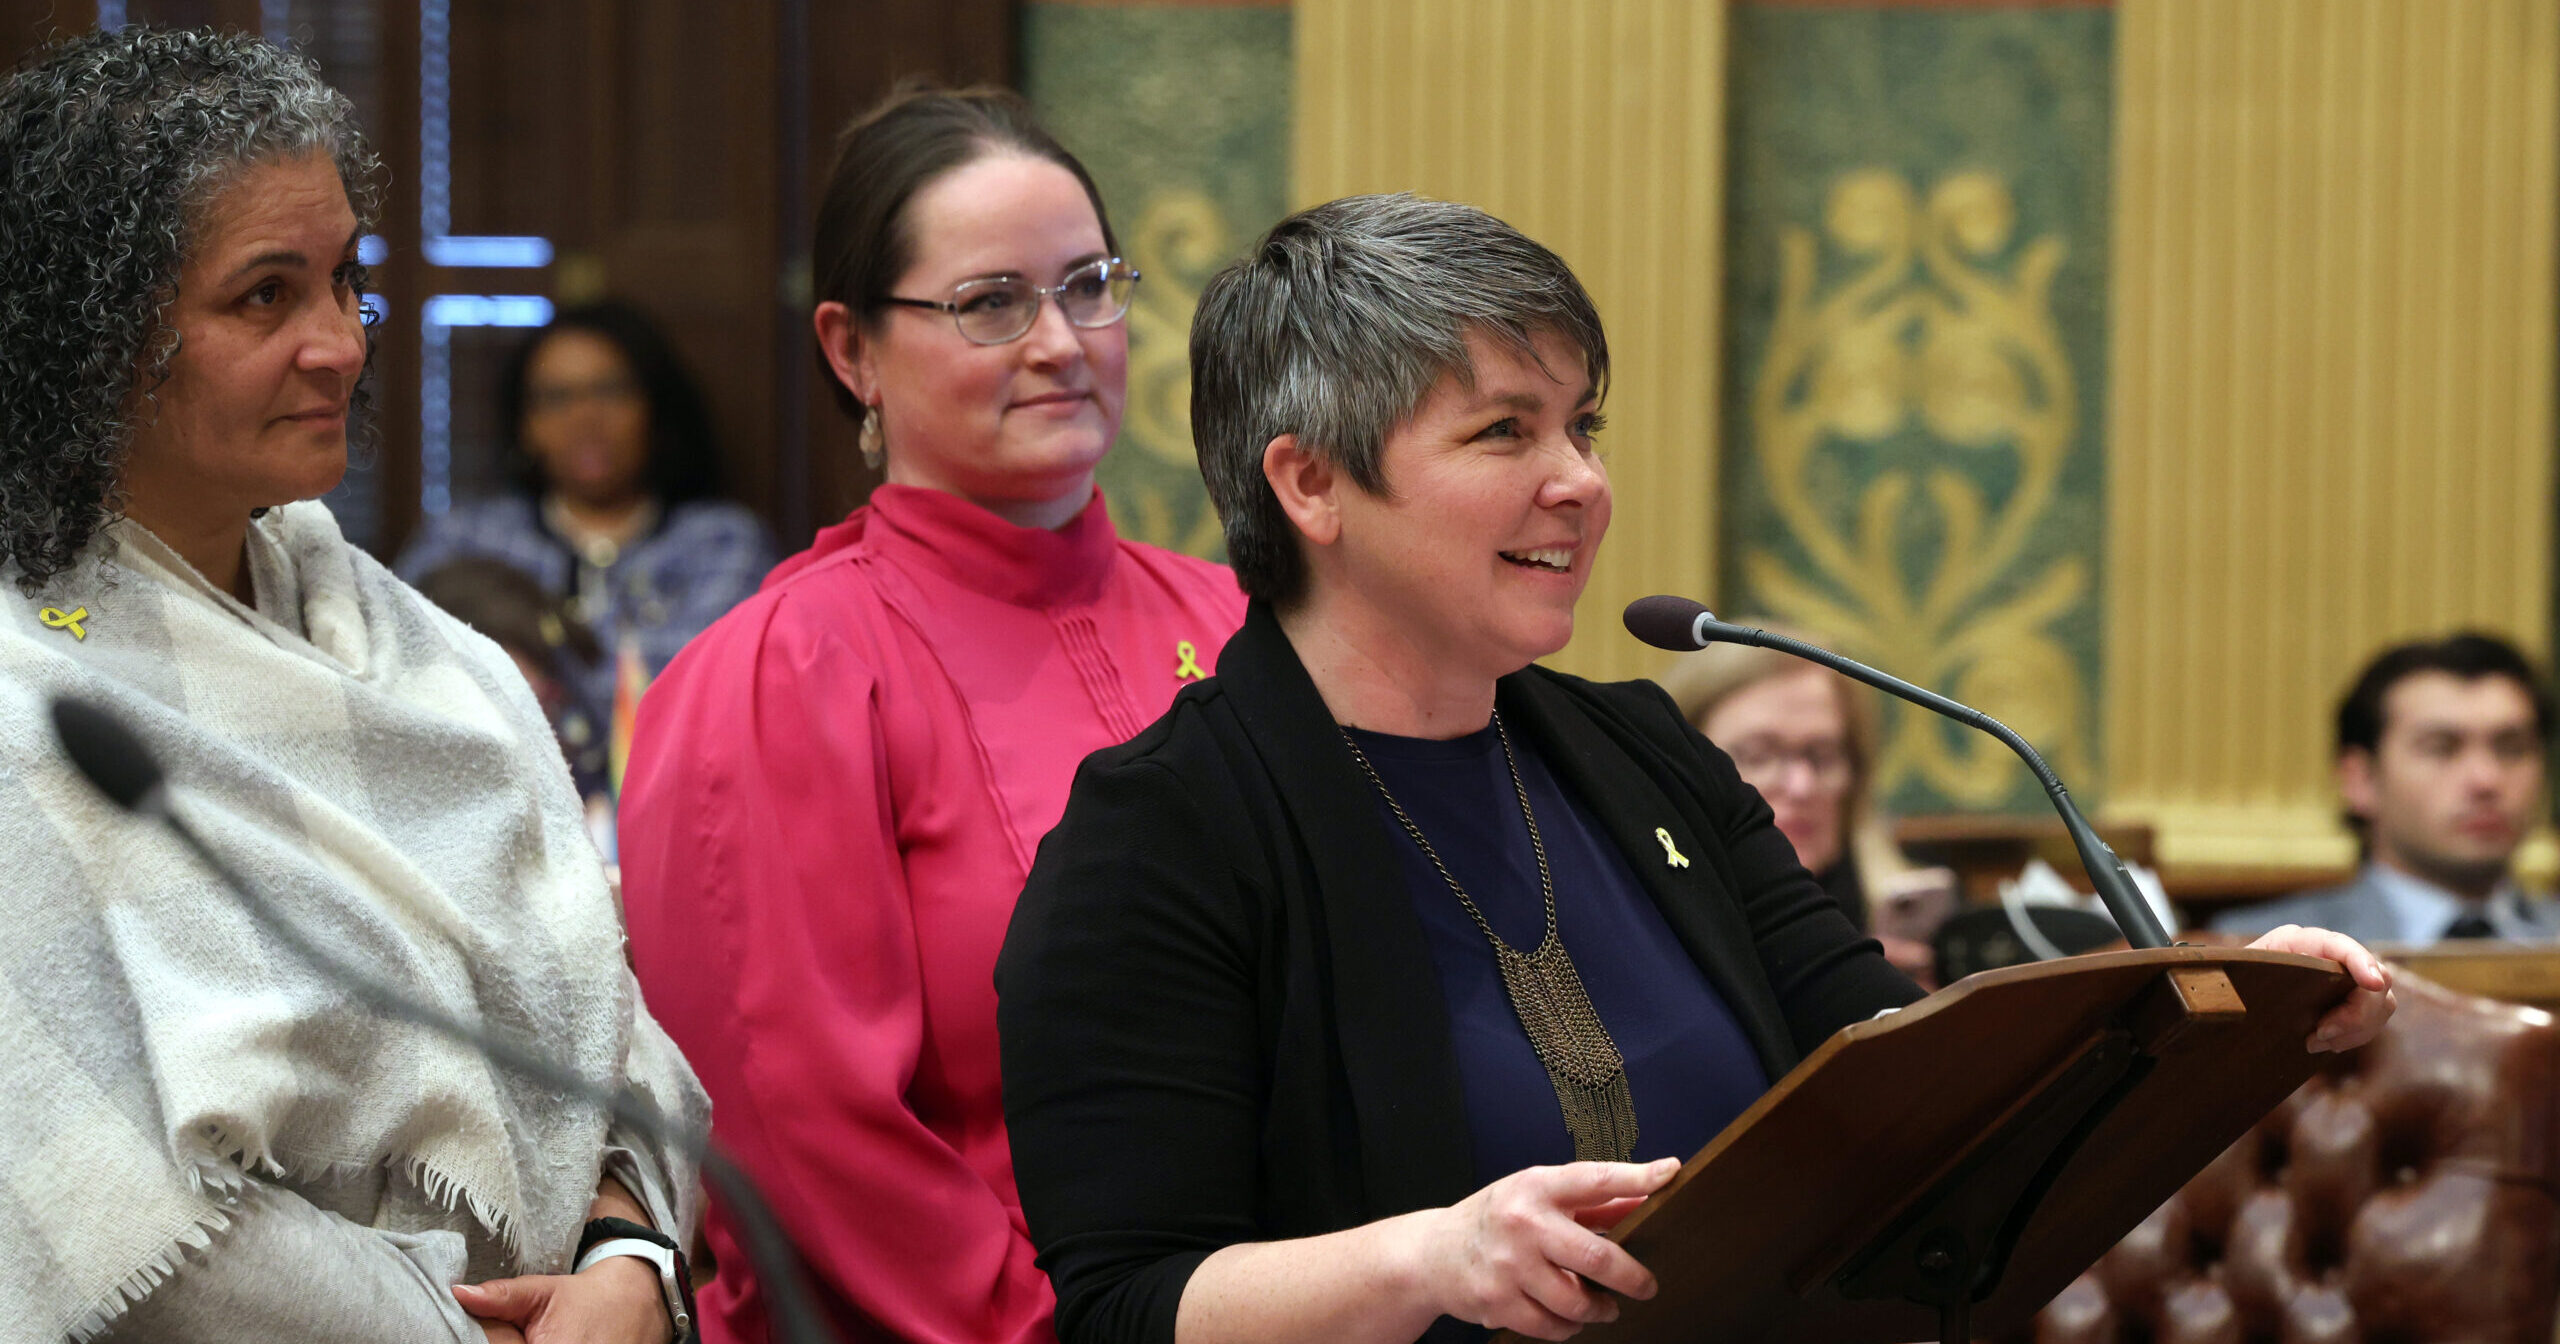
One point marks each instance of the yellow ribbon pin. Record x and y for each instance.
(1189, 669)
(1670, 852)
(55, 618)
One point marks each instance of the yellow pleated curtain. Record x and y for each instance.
(2331, 370)
(1596, 128)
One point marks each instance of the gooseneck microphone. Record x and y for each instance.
(1678, 624)
(111, 758)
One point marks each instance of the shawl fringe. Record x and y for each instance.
(137, 1285)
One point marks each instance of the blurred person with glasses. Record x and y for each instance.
(611, 470)
(1806, 737)
(834, 794)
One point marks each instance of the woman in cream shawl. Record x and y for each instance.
(202, 1137)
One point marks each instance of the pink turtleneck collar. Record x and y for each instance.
(963, 542)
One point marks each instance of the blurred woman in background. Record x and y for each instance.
(608, 450)
(1806, 738)
(835, 793)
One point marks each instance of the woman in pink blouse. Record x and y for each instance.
(835, 793)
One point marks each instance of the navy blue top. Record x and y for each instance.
(1689, 1066)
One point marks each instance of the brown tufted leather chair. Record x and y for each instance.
(2408, 1194)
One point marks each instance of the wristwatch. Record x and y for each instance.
(606, 1238)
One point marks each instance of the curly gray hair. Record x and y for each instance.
(1335, 327)
(111, 144)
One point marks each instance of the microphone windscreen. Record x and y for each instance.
(1665, 621)
(105, 752)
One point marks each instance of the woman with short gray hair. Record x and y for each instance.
(206, 1138)
(1338, 329)
(1353, 999)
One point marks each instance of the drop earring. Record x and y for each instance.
(867, 439)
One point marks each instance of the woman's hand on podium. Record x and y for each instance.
(1526, 1252)
(2360, 1017)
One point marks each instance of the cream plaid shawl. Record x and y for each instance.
(383, 774)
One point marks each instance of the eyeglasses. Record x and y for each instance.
(1763, 764)
(1001, 308)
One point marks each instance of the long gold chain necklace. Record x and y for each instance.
(1546, 993)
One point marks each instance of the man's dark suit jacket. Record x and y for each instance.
(1220, 1019)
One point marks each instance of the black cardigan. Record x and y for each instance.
(1219, 1015)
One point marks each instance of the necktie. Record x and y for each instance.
(2471, 924)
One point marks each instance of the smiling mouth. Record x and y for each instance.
(1552, 559)
(1052, 399)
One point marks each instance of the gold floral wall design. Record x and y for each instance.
(1181, 112)
(1180, 240)
(1928, 329)
(1915, 321)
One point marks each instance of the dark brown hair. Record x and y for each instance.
(885, 157)
(2465, 656)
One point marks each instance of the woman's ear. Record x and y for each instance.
(848, 353)
(1307, 485)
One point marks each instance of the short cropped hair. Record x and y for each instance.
(2466, 656)
(1335, 327)
(111, 144)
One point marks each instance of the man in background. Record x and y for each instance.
(2440, 764)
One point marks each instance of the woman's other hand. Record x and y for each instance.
(616, 1301)
(2359, 1018)
(1526, 1252)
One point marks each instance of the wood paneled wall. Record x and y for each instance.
(1596, 127)
(28, 24)
(671, 152)
(674, 153)
(2332, 408)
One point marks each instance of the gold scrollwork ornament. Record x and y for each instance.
(1922, 330)
(1181, 238)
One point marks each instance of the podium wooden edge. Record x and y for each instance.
(1939, 1002)
(1915, 1015)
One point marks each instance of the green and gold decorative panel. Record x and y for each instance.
(1181, 112)
(1916, 326)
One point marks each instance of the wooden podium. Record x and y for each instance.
(1942, 1172)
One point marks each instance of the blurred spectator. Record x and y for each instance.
(1805, 737)
(2440, 763)
(608, 447)
(553, 649)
